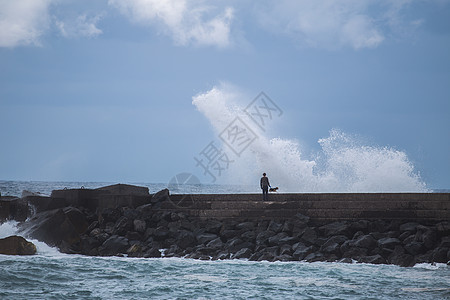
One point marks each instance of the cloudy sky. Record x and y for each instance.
(103, 90)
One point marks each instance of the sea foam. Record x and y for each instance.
(344, 163)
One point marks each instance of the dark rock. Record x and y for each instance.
(133, 236)
(360, 225)
(301, 218)
(152, 252)
(286, 249)
(289, 240)
(161, 233)
(263, 237)
(246, 226)
(131, 213)
(429, 238)
(243, 253)
(122, 225)
(357, 235)
(355, 253)
(288, 226)
(185, 239)
(411, 227)
(139, 226)
(415, 248)
(222, 255)
(389, 243)
(110, 214)
(230, 233)
(255, 256)
(440, 255)
(275, 226)
(213, 226)
(115, 245)
(302, 251)
(284, 257)
(443, 228)
(215, 244)
(16, 245)
(135, 251)
(266, 257)
(309, 236)
(365, 241)
(405, 235)
(159, 197)
(248, 236)
(374, 259)
(332, 245)
(336, 228)
(205, 238)
(275, 240)
(400, 258)
(345, 260)
(445, 242)
(312, 257)
(378, 226)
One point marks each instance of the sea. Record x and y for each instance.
(53, 275)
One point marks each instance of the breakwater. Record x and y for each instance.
(402, 229)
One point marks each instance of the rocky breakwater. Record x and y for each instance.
(149, 228)
(16, 245)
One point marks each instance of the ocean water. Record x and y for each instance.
(54, 275)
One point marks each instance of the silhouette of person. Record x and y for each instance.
(265, 186)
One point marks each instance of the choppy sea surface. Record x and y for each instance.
(54, 275)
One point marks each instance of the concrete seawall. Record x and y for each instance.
(329, 206)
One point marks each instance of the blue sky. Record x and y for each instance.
(103, 90)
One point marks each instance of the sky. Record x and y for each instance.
(103, 90)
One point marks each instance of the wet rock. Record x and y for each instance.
(16, 245)
(243, 253)
(115, 245)
(222, 255)
(332, 245)
(215, 244)
(245, 226)
(373, 259)
(152, 252)
(302, 251)
(135, 251)
(440, 255)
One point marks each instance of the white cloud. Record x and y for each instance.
(23, 22)
(334, 24)
(82, 26)
(185, 21)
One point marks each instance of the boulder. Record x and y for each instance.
(160, 197)
(16, 245)
(365, 241)
(115, 245)
(336, 228)
(243, 253)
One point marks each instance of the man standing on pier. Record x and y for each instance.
(265, 186)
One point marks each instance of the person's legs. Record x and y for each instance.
(265, 193)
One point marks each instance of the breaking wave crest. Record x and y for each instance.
(343, 164)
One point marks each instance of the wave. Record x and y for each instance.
(344, 163)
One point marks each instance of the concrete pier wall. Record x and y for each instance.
(328, 206)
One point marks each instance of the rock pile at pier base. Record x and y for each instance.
(124, 222)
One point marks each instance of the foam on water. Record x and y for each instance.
(10, 228)
(344, 164)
